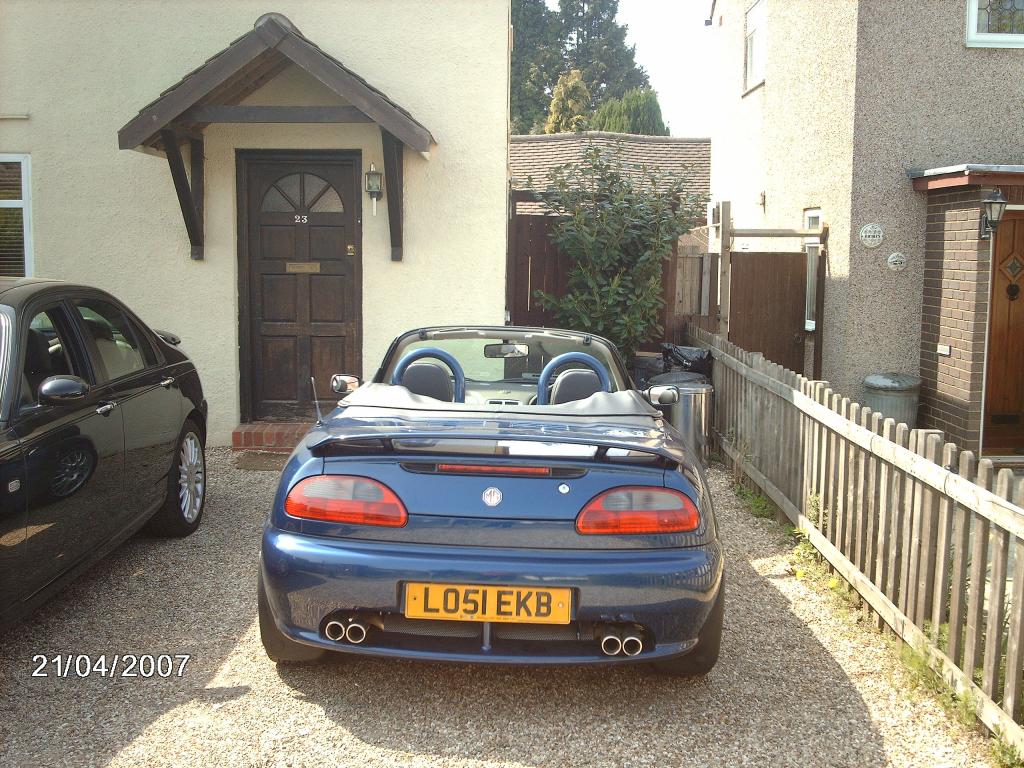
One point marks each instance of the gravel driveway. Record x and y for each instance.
(798, 684)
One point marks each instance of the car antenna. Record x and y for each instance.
(316, 403)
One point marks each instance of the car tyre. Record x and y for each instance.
(703, 658)
(182, 511)
(280, 648)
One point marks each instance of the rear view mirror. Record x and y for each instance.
(62, 390)
(663, 395)
(506, 351)
(342, 383)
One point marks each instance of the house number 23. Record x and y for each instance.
(301, 219)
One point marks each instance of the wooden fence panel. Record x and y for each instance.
(909, 521)
(961, 559)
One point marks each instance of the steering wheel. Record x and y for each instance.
(570, 357)
(437, 354)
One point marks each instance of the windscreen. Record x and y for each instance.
(537, 351)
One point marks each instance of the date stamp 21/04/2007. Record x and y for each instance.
(116, 665)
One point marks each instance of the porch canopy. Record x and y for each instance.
(213, 93)
(967, 175)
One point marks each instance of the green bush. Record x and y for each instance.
(617, 225)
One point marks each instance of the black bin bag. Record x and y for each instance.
(695, 359)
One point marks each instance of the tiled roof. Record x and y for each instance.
(270, 62)
(535, 155)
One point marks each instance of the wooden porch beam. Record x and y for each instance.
(724, 266)
(968, 179)
(394, 188)
(191, 211)
(776, 233)
(260, 114)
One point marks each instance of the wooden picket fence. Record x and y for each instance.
(930, 537)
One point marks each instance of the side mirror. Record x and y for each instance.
(662, 395)
(342, 383)
(63, 390)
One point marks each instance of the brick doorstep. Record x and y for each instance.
(270, 436)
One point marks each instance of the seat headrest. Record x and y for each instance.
(574, 384)
(429, 380)
(97, 329)
(37, 353)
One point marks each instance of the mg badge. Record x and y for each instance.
(492, 497)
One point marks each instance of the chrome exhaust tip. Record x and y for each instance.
(335, 631)
(632, 645)
(355, 633)
(611, 645)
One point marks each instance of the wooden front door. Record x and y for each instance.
(300, 278)
(1004, 380)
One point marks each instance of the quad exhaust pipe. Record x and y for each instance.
(632, 645)
(611, 645)
(354, 631)
(614, 643)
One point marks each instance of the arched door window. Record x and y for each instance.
(305, 192)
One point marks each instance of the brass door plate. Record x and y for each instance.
(302, 266)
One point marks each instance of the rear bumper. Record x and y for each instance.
(669, 593)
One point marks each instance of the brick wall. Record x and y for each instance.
(955, 312)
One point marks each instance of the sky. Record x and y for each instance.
(674, 46)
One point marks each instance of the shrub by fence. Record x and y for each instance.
(929, 536)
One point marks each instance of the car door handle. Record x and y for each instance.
(166, 383)
(106, 408)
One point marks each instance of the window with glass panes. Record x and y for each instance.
(995, 23)
(15, 232)
(812, 247)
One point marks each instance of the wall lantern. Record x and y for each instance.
(995, 207)
(374, 186)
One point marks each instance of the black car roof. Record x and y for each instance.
(16, 291)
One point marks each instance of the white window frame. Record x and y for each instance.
(976, 39)
(25, 203)
(811, 293)
(755, 26)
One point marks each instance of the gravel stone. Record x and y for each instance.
(799, 682)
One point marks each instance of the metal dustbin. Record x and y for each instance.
(691, 415)
(894, 395)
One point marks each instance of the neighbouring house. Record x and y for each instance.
(890, 122)
(285, 192)
(534, 264)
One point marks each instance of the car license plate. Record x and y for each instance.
(472, 602)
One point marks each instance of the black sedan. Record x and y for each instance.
(102, 432)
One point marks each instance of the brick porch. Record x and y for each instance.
(271, 436)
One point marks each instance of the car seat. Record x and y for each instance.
(429, 380)
(38, 363)
(575, 384)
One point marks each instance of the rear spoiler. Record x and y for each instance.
(604, 450)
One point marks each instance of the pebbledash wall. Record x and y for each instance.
(846, 110)
(110, 218)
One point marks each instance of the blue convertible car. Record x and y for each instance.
(495, 495)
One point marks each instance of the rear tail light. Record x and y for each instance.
(345, 499)
(638, 509)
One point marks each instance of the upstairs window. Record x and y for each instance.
(755, 45)
(995, 23)
(812, 247)
(15, 217)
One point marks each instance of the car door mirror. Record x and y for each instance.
(663, 395)
(63, 390)
(342, 383)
